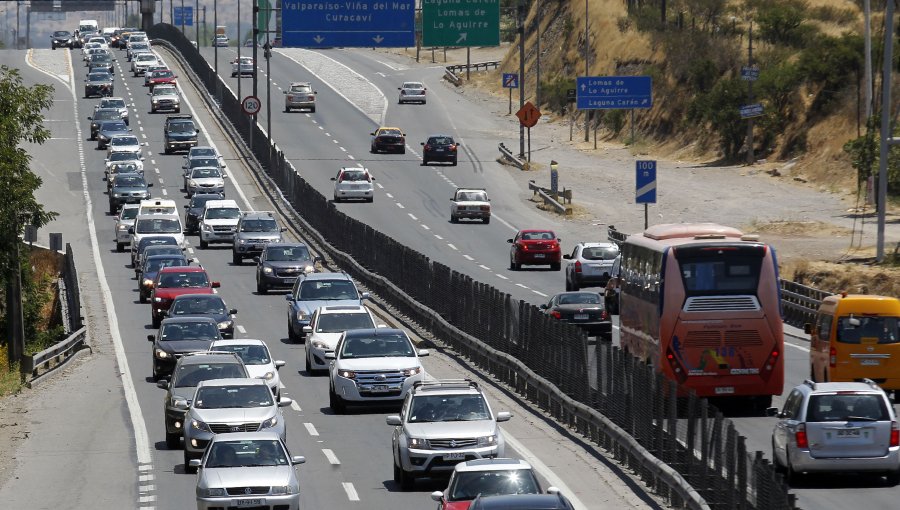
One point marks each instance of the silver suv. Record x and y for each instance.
(254, 231)
(441, 424)
(590, 265)
(837, 427)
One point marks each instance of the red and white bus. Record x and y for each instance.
(701, 302)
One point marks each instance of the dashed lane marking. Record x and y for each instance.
(332, 458)
(400, 205)
(241, 329)
(311, 429)
(295, 406)
(452, 247)
(413, 217)
(468, 257)
(426, 227)
(350, 490)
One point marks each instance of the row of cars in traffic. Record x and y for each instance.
(223, 403)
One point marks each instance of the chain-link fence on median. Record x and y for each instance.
(595, 388)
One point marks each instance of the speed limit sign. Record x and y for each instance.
(251, 105)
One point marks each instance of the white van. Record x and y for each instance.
(85, 27)
(218, 222)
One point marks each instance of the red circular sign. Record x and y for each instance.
(251, 105)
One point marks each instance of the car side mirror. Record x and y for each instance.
(298, 459)
(509, 241)
(162, 384)
(553, 490)
(288, 297)
(90, 118)
(187, 206)
(232, 311)
(255, 259)
(421, 143)
(195, 463)
(279, 363)
(567, 257)
(284, 229)
(423, 352)
(772, 411)
(437, 496)
(284, 402)
(285, 92)
(807, 328)
(329, 355)
(149, 184)
(307, 329)
(151, 338)
(393, 420)
(334, 178)
(215, 285)
(504, 416)
(364, 295)
(373, 134)
(131, 230)
(543, 306)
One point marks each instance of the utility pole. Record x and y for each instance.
(886, 132)
(868, 46)
(15, 322)
(239, 44)
(18, 4)
(205, 30)
(750, 156)
(587, 71)
(216, 43)
(255, 51)
(197, 23)
(537, 84)
(521, 18)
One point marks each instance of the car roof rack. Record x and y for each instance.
(810, 383)
(444, 384)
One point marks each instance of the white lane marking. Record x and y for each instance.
(342, 149)
(452, 247)
(351, 491)
(295, 406)
(501, 276)
(165, 192)
(332, 458)
(539, 293)
(544, 470)
(152, 161)
(320, 127)
(468, 257)
(413, 217)
(380, 186)
(426, 227)
(439, 237)
(400, 205)
(389, 195)
(241, 329)
(335, 141)
(482, 266)
(327, 134)
(520, 285)
(157, 171)
(350, 156)
(311, 429)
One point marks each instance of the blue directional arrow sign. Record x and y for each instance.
(183, 16)
(348, 24)
(645, 182)
(613, 92)
(510, 80)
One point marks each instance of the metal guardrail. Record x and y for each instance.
(510, 157)
(550, 200)
(48, 359)
(474, 66)
(452, 77)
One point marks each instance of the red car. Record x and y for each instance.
(160, 77)
(172, 282)
(534, 247)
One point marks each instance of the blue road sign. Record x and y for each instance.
(183, 16)
(613, 92)
(751, 110)
(358, 23)
(645, 182)
(749, 73)
(510, 80)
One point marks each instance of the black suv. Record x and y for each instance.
(180, 133)
(439, 148)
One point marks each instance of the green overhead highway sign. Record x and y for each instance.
(460, 22)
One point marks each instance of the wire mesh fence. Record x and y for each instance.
(490, 328)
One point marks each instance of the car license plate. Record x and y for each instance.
(250, 502)
(439, 150)
(539, 255)
(288, 280)
(454, 456)
(847, 433)
(581, 316)
(725, 390)
(869, 362)
(377, 388)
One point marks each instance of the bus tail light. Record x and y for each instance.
(578, 266)
(675, 367)
(895, 434)
(832, 357)
(772, 360)
(803, 441)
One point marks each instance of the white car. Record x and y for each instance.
(122, 160)
(373, 366)
(125, 143)
(124, 221)
(218, 222)
(157, 225)
(85, 50)
(141, 62)
(257, 359)
(326, 326)
(101, 41)
(114, 102)
(353, 183)
(205, 180)
(412, 92)
(243, 66)
(221, 41)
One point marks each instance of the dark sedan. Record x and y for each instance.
(583, 309)
(205, 305)
(439, 148)
(388, 139)
(61, 39)
(101, 115)
(108, 129)
(178, 336)
(100, 62)
(152, 264)
(194, 210)
(98, 84)
(279, 265)
(128, 189)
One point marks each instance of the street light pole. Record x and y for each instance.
(521, 19)
(215, 41)
(268, 55)
(239, 73)
(587, 70)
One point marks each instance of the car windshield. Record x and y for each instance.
(264, 225)
(130, 181)
(129, 213)
(250, 354)
(101, 57)
(164, 249)
(124, 140)
(179, 331)
(413, 85)
(164, 91)
(184, 280)
(327, 289)
(197, 162)
(158, 225)
(440, 140)
(125, 156)
(198, 201)
(189, 375)
(340, 322)
(202, 152)
(579, 298)
(106, 115)
(847, 406)
(430, 408)
(222, 213)
(153, 265)
(389, 132)
(249, 453)
(114, 126)
(538, 236)
(112, 103)
(181, 127)
(469, 484)
(599, 253)
(287, 254)
(381, 346)
(60, 33)
(163, 74)
(198, 306)
(354, 175)
(206, 173)
(301, 88)
(99, 77)
(868, 330)
(472, 196)
(238, 396)
(146, 57)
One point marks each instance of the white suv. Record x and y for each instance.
(325, 328)
(353, 183)
(441, 424)
(373, 366)
(218, 222)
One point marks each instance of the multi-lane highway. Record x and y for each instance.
(349, 459)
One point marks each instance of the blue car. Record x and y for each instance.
(318, 289)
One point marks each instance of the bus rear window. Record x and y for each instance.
(714, 272)
(868, 330)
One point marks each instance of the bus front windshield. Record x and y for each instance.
(715, 270)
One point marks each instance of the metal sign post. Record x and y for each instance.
(510, 81)
(645, 186)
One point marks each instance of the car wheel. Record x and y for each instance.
(287, 109)
(113, 209)
(398, 474)
(454, 219)
(370, 199)
(203, 244)
(120, 247)
(178, 110)
(233, 75)
(156, 322)
(513, 266)
(312, 110)
(336, 402)
(236, 259)
(575, 285)
(406, 480)
(187, 464)
(486, 220)
(141, 297)
(555, 266)
(453, 163)
(568, 284)
(309, 369)
(173, 441)
(403, 150)
(893, 478)
(336, 199)
(777, 465)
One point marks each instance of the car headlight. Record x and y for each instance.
(309, 269)
(269, 375)
(408, 372)
(192, 182)
(417, 443)
(207, 227)
(347, 374)
(225, 324)
(267, 270)
(211, 492)
(158, 299)
(155, 101)
(318, 344)
(282, 490)
(271, 422)
(122, 228)
(487, 440)
(117, 195)
(302, 315)
(199, 425)
(160, 354)
(148, 283)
